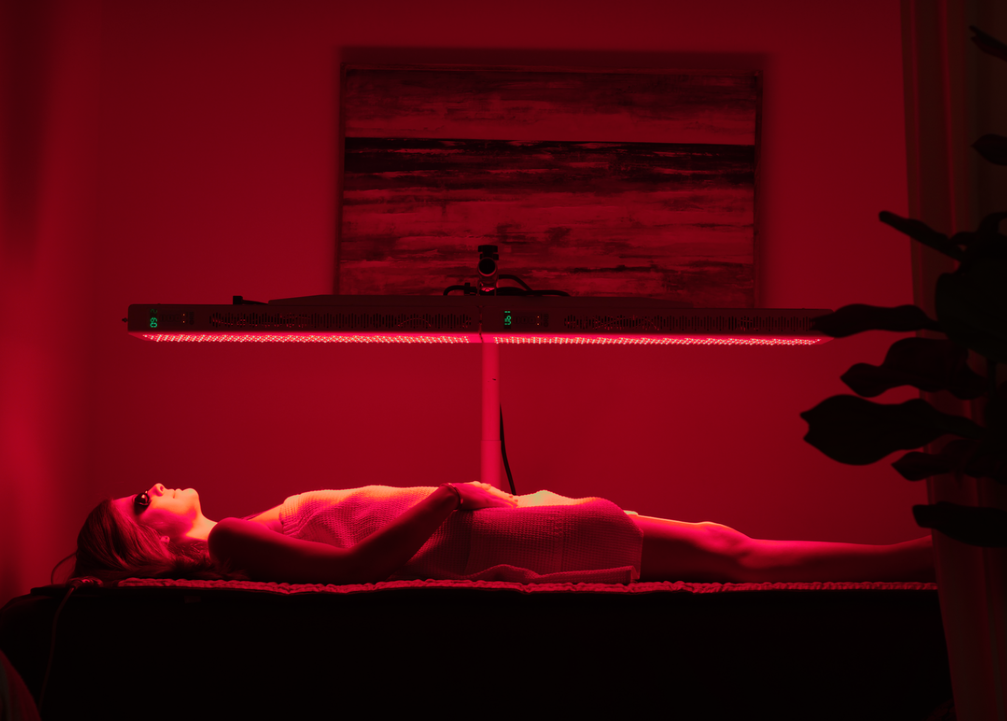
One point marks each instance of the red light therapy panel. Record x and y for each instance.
(426, 320)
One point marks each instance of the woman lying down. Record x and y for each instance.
(456, 531)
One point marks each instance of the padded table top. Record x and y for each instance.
(608, 588)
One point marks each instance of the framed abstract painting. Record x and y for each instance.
(597, 183)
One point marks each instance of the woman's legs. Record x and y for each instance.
(677, 551)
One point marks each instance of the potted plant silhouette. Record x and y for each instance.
(971, 310)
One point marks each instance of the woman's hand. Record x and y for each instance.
(481, 495)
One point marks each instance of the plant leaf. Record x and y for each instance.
(971, 306)
(915, 466)
(988, 230)
(852, 319)
(852, 430)
(989, 460)
(979, 459)
(918, 230)
(926, 363)
(993, 148)
(988, 44)
(995, 413)
(990, 225)
(984, 246)
(986, 527)
(990, 457)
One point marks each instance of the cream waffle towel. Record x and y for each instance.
(547, 538)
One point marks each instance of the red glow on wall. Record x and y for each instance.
(191, 150)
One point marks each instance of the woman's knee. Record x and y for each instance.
(730, 548)
(725, 540)
(693, 551)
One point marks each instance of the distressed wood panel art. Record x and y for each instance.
(616, 183)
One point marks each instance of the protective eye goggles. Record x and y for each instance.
(140, 502)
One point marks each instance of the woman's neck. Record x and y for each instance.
(201, 528)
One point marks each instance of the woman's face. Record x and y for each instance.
(171, 511)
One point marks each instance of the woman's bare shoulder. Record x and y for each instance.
(229, 530)
(230, 538)
(269, 556)
(270, 519)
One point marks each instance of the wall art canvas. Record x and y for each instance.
(598, 183)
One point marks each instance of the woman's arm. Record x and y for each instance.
(269, 556)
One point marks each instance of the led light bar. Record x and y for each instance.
(170, 337)
(625, 340)
(528, 320)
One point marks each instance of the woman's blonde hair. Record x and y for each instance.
(112, 547)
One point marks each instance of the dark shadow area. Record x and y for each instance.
(871, 654)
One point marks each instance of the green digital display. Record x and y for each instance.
(153, 317)
(508, 319)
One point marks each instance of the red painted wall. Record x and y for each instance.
(188, 152)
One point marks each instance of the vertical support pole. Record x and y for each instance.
(491, 458)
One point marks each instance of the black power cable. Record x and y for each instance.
(468, 289)
(503, 453)
(72, 586)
